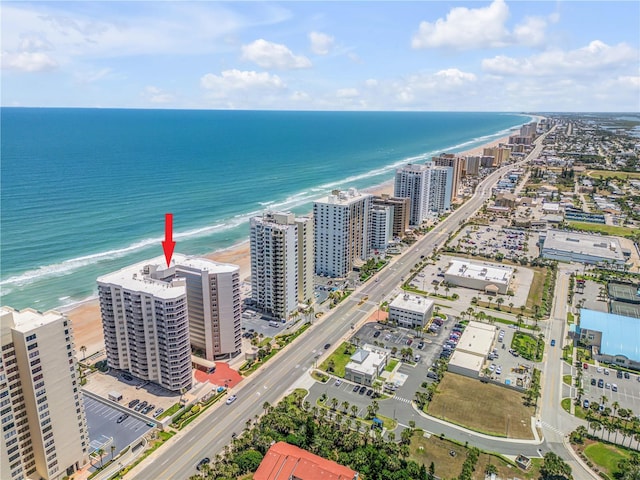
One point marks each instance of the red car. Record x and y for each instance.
(585, 366)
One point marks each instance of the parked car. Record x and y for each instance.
(133, 403)
(593, 381)
(606, 371)
(122, 417)
(369, 392)
(326, 346)
(553, 343)
(356, 388)
(362, 390)
(231, 399)
(619, 373)
(140, 406)
(202, 463)
(614, 387)
(377, 334)
(585, 404)
(626, 375)
(158, 412)
(338, 382)
(600, 383)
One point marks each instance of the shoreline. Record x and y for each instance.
(85, 314)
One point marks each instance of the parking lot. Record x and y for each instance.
(505, 365)
(102, 423)
(625, 391)
(511, 243)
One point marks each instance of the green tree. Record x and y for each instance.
(248, 461)
(554, 468)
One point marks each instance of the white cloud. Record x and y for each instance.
(321, 43)
(531, 32)
(87, 77)
(466, 28)
(273, 55)
(298, 96)
(453, 76)
(28, 61)
(231, 80)
(484, 27)
(347, 93)
(371, 82)
(155, 94)
(594, 58)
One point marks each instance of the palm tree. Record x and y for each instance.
(83, 349)
(615, 405)
(334, 403)
(500, 301)
(113, 449)
(345, 406)
(354, 410)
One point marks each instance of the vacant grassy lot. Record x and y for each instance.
(537, 284)
(527, 346)
(483, 407)
(605, 456)
(427, 450)
(340, 358)
(608, 174)
(605, 229)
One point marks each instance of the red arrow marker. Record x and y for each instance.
(168, 245)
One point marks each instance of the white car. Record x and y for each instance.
(599, 369)
(614, 387)
(492, 367)
(498, 370)
(231, 399)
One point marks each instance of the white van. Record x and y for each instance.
(274, 324)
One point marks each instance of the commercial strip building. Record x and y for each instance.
(41, 408)
(411, 311)
(281, 263)
(366, 364)
(472, 349)
(489, 278)
(342, 235)
(427, 186)
(288, 462)
(153, 314)
(582, 247)
(613, 338)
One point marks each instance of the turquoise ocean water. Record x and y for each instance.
(84, 191)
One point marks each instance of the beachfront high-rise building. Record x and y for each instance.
(281, 262)
(341, 231)
(146, 324)
(427, 186)
(41, 410)
(214, 306)
(153, 314)
(500, 155)
(458, 164)
(381, 226)
(472, 165)
(400, 212)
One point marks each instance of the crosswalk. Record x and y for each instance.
(400, 399)
(551, 427)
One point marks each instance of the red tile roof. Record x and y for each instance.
(288, 462)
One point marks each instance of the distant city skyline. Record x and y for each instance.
(463, 55)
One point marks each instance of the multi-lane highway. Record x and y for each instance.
(178, 457)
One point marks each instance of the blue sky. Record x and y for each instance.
(457, 55)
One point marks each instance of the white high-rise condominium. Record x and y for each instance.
(381, 226)
(281, 262)
(41, 410)
(152, 315)
(342, 233)
(427, 186)
(214, 305)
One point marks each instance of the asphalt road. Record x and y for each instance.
(208, 436)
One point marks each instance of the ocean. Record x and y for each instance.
(84, 191)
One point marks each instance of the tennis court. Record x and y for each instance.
(625, 309)
(624, 292)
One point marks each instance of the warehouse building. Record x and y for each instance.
(473, 347)
(613, 338)
(582, 247)
(489, 278)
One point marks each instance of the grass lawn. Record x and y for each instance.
(606, 229)
(527, 346)
(426, 450)
(535, 290)
(169, 411)
(566, 404)
(610, 174)
(581, 413)
(340, 358)
(483, 407)
(391, 365)
(605, 456)
(567, 379)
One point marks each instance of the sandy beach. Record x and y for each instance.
(85, 318)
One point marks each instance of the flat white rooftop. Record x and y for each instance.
(204, 264)
(467, 360)
(585, 244)
(28, 319)
(412, 303)
(477, 339)
(476, 271)
(342, 197)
